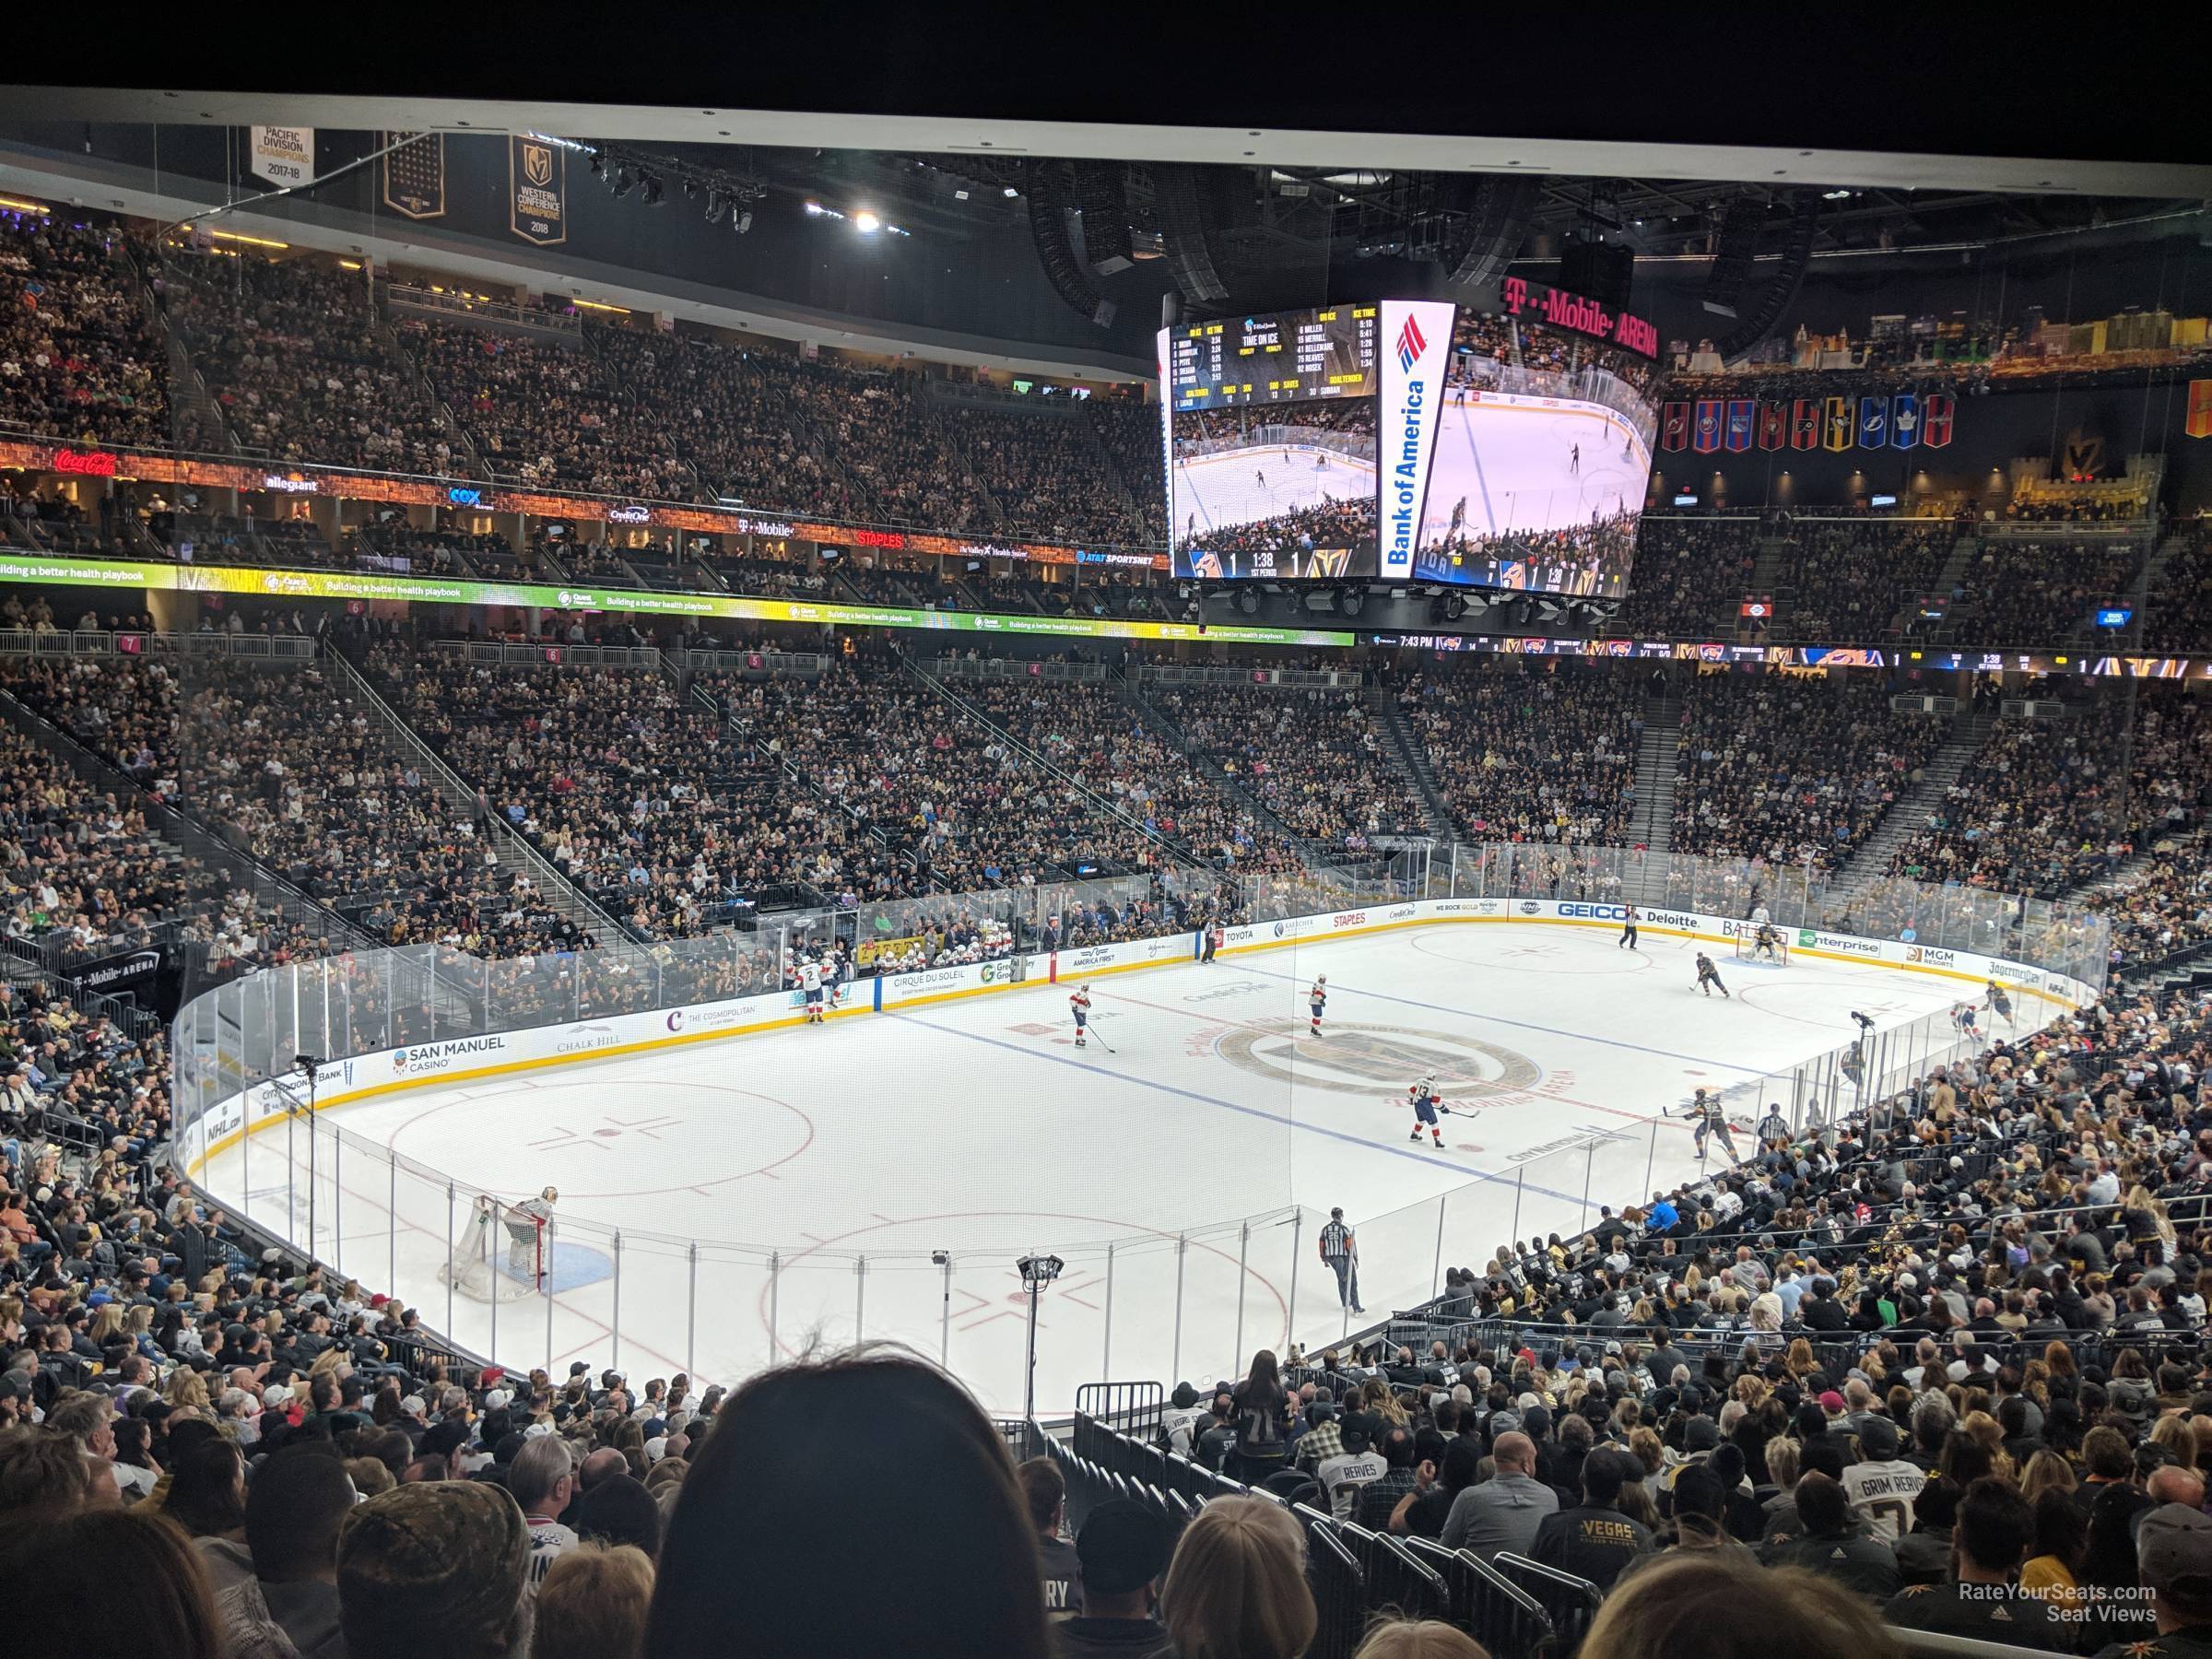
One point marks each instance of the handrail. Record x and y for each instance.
(1176, 851)
(457, 789)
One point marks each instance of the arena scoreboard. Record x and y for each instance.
(1505, 444)
(1280, 358)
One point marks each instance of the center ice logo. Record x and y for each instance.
(1361, 1059)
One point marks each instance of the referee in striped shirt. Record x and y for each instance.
(1340, 1250)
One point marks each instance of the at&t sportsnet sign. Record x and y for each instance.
(1421, 336)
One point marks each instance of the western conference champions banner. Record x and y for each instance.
(1901, 421)
(537, 189)
(282, 155)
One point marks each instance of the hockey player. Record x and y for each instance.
(1628, 928)
(1079, 1005)
(1765, 943)
(1425, 1102)
(1575, 462)
(524, 1223)
(1962, 1018)
(1709, 977)
(1319, 998)
(1710, 1118)
(1999, 1004)
(810, 985)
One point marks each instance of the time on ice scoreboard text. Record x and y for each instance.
(1325, 352)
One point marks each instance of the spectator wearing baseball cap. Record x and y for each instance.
(2173, 1561)
(1123, 1550)
(435, 1566)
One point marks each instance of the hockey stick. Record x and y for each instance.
(1102, 1042)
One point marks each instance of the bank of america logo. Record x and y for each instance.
(1410, 345)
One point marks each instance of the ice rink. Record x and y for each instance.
(791, 1187)
(1224, 489)
(1513, 463)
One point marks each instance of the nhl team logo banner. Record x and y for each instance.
(1743, 414)
(537, 187)
(1804, 424)
(1773, 425)
(1707, 437)
(283, 155)
(2200, 409)
(1674, 431)
(1904, 421)
(1835, 425)
(1874, 422)
(1936, 409)
(415, 173)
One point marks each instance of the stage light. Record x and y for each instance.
(1350, 601)
(651, 195)
(1011, 190)
(867, 223)
(814, 209)
(621, 182)
(743, 222)
(718, 206)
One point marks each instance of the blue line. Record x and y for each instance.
(1523, 1025)
(1206, 1099)
(1482, 478)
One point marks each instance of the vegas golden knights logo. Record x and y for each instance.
(2085, 455)
(537, 190)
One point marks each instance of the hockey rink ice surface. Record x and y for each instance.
(1514, 467)
(1225, 491)
(975, 1128)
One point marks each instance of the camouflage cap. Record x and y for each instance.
(433, 1554)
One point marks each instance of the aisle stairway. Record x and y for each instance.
(1909, 812)
(1653, 828)
(1412, 756)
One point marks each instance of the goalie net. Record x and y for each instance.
(1747, 947)
(502, 1254)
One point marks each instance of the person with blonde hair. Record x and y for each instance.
(1706, 1602)
(592, 1604)
(1236, 1588)
(1420, 1639)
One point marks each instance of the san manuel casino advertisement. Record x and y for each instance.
(1506, 446)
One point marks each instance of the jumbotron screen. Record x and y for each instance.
(1270, 427)
(1504, 446)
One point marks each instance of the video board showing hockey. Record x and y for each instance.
(1541, 450)
(1269, 423)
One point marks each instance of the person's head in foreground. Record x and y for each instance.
(1420, 1639)
(1237, 1587)
(592, 1604)
(2173, 1559)
(134, 1574)
(434, 1569)
(1702, 1604)
(844, 1510)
